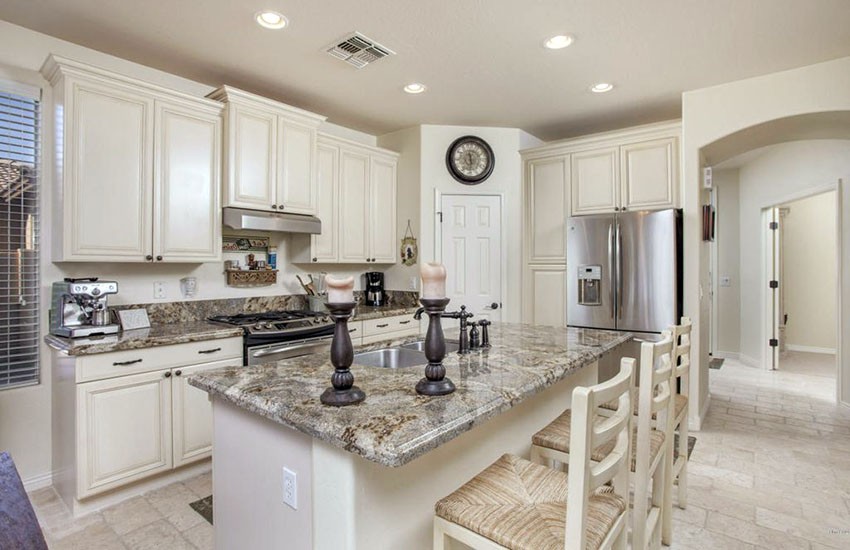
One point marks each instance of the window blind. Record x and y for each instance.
(19, 229)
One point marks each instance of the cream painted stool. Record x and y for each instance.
(520, 505)
(679, 383)
(649, 459)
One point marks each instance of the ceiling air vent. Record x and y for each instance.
(355, 49)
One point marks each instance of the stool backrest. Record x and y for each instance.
(682, 355)
(586, 435)
(654, 394)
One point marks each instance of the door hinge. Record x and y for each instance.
(774, 342)
(774, 284)
(774, 226)
(441, 216)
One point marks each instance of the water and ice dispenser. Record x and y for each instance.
(590, 285)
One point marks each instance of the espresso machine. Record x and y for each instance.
(375, 295)
(79, 308)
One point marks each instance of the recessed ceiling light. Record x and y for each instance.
(558, 42)
(271, 19)
(602, 87)
(415, 88)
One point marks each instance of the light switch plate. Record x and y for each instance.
(158, 290)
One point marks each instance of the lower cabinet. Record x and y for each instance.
(545, 295)
(133, 425)
(383, 328)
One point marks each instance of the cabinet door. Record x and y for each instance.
(546, 295)
(108, 174)
(325, 247)
(187, 213)
(650, 174)
(253, 158)
(382, 211)
(193, 421)
(124, 430)
(296, 190)
(546, 210)
(353, 207)
(595, 181)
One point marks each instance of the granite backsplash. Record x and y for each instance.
(164, 313)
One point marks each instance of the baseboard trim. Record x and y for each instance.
(695, 424)
(39, 481)
(810, 349)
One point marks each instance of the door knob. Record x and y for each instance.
(494, 305)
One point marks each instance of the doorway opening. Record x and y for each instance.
(801, 267)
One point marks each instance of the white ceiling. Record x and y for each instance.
(482, 60)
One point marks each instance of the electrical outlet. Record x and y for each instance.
(158, 290)
(413, 283)
(290, 488)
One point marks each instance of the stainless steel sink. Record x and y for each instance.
(391, 358)
(419, 345)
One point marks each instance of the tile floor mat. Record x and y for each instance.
(691, 442)
(205, 507)
(715, 363)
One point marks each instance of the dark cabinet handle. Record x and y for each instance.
(382, 326)
(168, 374)
(404, 322)
(159, 258)
(352, 330)
(122, 363)
(209, 350)
(178, 372)
(149, 258)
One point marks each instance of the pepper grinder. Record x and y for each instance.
(485, 333)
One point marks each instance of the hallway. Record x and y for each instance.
(771, 467)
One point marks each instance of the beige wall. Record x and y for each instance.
(808, 256)
(728, 250)
(711, 114)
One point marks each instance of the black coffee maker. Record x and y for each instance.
(375, 289)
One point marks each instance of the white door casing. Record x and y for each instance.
(471, 244)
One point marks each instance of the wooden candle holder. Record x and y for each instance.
(342, 391)
(435, 381)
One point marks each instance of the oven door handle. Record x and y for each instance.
(284, 349)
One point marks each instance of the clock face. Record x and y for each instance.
(470, 160)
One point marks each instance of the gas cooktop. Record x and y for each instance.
(277, 322)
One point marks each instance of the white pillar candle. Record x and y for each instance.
(340, 290)
(433, 280)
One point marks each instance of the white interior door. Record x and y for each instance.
(472, 253)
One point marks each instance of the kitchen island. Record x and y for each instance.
(368, 475)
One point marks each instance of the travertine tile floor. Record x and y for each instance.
(771, 470)
(161, 519)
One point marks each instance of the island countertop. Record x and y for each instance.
(395, 425)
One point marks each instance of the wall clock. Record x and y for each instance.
(470, 160)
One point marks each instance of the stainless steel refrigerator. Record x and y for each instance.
(624, 271)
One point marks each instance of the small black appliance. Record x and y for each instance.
(375, 295)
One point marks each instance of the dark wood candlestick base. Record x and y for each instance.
(435, 381)
(343, 391)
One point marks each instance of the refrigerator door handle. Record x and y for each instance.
(618, 237)
(611, 280)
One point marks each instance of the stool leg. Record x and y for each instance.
(683, 452)
(439, 536)
(662, 489)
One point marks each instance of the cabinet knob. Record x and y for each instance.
(178, 372)
(168, 374)
(315, 259)
(159, 258)
(274, 207)
(149, 258)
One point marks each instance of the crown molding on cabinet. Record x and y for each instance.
(329, 139)
(593, 141)
(229, 94)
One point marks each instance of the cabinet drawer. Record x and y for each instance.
(394, 335)
(384, 325)
(122, 363)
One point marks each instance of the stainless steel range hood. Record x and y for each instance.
(240, 218)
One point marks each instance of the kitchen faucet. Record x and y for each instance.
(463, 315)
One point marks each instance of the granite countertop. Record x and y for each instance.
(364, 313)
(395, 425)
(157, 335)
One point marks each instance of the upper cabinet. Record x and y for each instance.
(356, 201)
(137, 169)
(270, 154)
(595, 176)
(546, 188)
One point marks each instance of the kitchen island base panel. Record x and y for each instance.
(346, 502)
